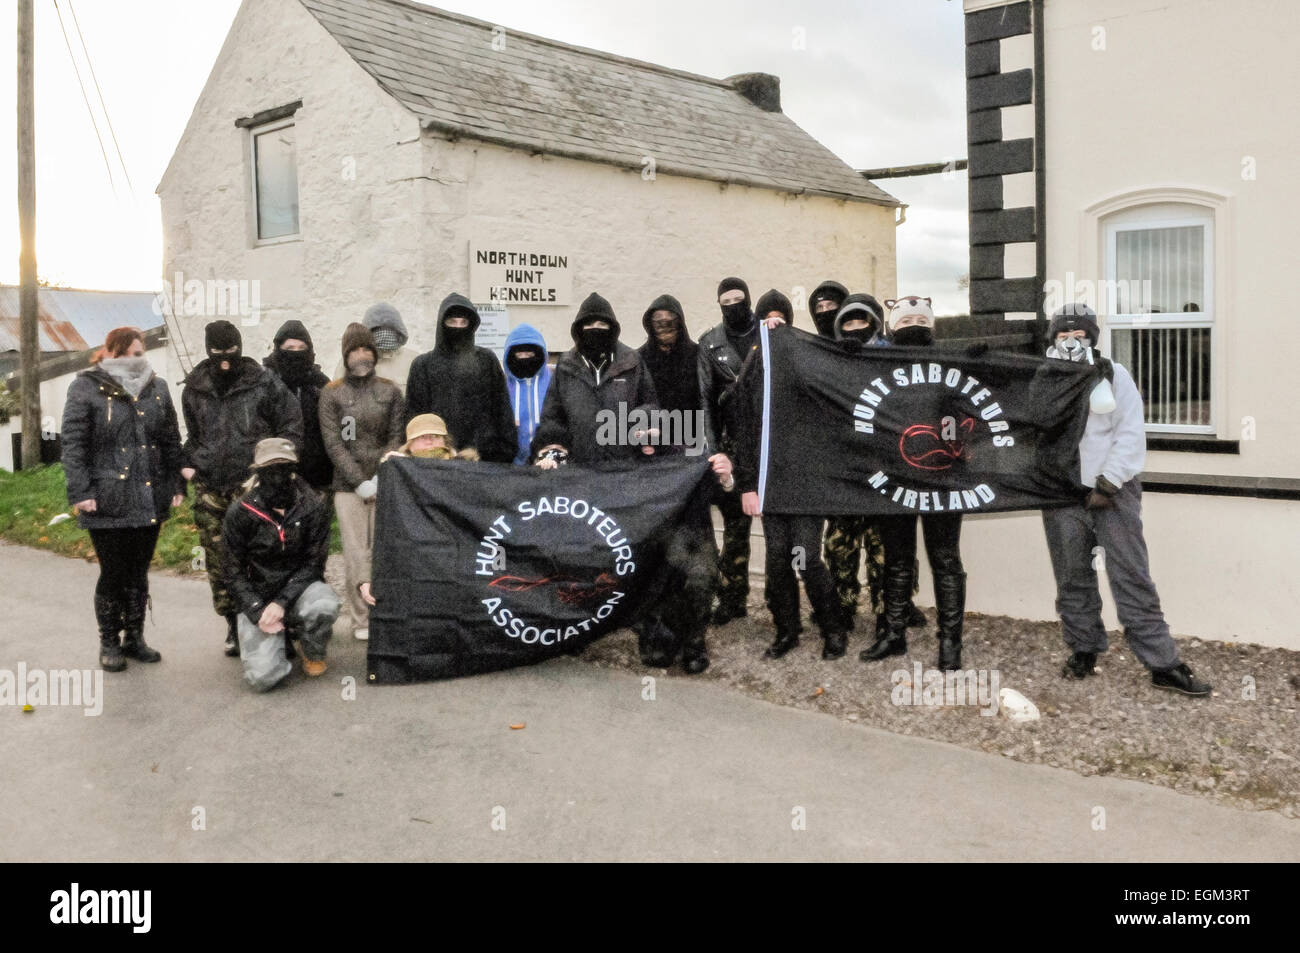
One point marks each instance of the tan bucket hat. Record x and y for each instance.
(424, 425)
(273, 450)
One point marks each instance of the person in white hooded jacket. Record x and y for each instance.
(1105, 528)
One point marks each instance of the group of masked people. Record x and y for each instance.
(274, 448)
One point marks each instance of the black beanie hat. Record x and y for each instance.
(733, 284)
(1074, 317)
(221, 336)
(294, 329)
(595, 308)
(773, 300)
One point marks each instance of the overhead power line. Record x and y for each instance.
(103, 105)
(85, 98)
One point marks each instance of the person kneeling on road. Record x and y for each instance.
(277, 536)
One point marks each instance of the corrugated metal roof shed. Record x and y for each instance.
(74, 320)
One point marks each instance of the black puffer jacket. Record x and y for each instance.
(578, 393)
(274, 558)
(221, 430)
(466, 387)
(121, 451)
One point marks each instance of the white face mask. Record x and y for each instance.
(1071, 349)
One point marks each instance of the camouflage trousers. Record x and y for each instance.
(846, 536)
(733, 562)
(209, 512)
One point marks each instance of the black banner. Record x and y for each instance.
(892, 430)
(481, 566)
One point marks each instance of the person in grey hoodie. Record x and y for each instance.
(361, 419)
(385, 325)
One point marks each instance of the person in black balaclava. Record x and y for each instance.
(230, 402)
(464, 385)
(597, 374)
(859, 323)
(682, 614)
(792, 542)
(722, 351)
(294, 360)
(277, 535)
(911, 324)
(823, 304)
(671, 355)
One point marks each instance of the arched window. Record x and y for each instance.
(1158, 259)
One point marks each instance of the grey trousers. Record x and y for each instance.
(311, 619)
(1073, 532)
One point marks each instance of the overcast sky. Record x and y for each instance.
(880, 82)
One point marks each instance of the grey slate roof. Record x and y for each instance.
(550, 97)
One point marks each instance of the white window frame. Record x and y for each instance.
(1143, 218)
(253, 133)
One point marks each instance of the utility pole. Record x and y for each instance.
(30, 348)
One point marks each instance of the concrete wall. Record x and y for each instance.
(633, 239)
(358, 155)
(1170, 109)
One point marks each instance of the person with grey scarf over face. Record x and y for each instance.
(122, 462)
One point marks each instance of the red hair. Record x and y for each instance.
(117, 343)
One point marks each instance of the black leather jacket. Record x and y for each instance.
(719, 367)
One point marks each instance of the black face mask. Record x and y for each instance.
(825, 322)
(914, 335)
(861, 335)
(458, 337)
(595, 343)
(524, 367)
(223, 378)
(294, 366)
(737, 317)
(277, 485)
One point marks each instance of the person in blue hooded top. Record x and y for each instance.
(527, 378)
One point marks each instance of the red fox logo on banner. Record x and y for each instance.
(927, 447)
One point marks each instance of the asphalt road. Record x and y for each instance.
(186, 764)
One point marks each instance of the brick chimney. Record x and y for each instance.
(761, 89)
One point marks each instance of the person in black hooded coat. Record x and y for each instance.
(597, 374)
(790, 541)
(464, 385)
(294, 361)
(671, 356)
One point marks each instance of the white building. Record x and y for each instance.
(345, 152)
(1140, 157)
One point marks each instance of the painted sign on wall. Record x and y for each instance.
(502, 274)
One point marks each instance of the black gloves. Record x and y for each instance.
(1102, 496)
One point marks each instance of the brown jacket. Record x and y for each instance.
(360, 421)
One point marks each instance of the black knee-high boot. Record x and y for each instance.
(108, 615)
(950, 605)
(134, 606)
(893, 640)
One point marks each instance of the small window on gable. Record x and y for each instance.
(275, 180)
